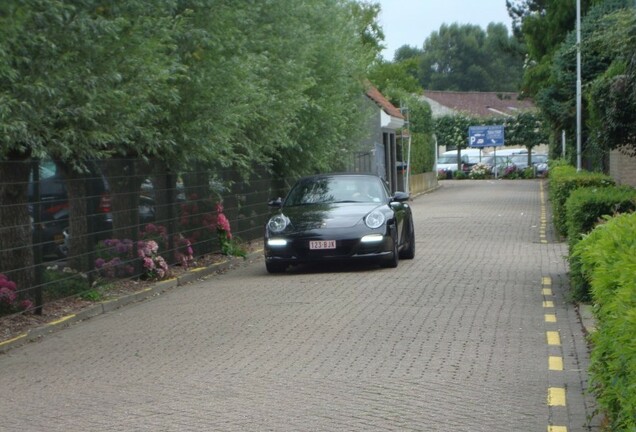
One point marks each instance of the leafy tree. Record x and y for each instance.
(600, 60)
(541, 26)
(406, 52)
(396, 75)
(467, 58)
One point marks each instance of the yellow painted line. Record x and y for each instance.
(61, 320)
(548, 304)
(557, 429)
(553, 338)
(546, 280)
(550, 318)
(555, 363)
(196, 269)
(23, 335)
(556, 396)
(544, 241)
(546, 291)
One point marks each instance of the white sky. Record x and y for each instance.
(410, 22)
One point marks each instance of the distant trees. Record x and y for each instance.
(467, 58)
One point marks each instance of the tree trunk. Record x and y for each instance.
(16, 249)
(125, 186)
(80, 210)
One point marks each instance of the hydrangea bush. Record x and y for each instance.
(9, 302)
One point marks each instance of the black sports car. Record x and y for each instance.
(339, 217)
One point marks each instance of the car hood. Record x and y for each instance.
(337, 215)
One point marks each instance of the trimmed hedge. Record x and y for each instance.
(608, 261)
(565, 179)
(584, 209)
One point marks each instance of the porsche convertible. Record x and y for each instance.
(338, 217)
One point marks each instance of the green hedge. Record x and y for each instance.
(584, 208)
(563, 180)
(608, 261)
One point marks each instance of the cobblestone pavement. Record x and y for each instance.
(465, 337)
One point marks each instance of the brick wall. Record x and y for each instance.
(623, 168)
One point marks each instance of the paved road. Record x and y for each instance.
(474, 334)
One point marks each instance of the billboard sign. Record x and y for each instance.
(486, 136)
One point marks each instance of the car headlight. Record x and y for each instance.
(375, 219)
(277, 223)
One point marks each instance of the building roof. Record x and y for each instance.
(478, 104)
(377, 97)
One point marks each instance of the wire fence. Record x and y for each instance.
(73, 233)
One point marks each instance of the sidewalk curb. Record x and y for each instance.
(104, 307)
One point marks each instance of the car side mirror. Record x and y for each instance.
(400, 197)
(277, 203)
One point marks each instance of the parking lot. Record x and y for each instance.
(474, 334)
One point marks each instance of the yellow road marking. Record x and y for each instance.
(548, 304)
(550, 318)
(557, 429)
(61, 320)
(13, 340)
(555, 363)
(553, 338)
(556, 396)
(546, 291)
(546, 280)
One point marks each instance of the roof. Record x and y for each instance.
(478, 104)
(377, 97)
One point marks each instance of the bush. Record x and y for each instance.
(9, 301)
(608, 261)
(460, 175)
(584, 209)
(564, 179)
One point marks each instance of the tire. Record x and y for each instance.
(409, 252)
(393, 260)
(273, 267)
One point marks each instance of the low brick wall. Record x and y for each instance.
(421, 183)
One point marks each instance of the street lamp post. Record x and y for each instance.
(578, 85)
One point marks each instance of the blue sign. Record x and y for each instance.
(485, 136)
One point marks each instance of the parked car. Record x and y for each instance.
(447, 161)
(336, 217)
(539, 162)
(53, 225)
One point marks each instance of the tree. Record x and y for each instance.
(467, 58)
(541, 26)
(602, 56)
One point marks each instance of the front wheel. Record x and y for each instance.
(409, 252)
(393, 259)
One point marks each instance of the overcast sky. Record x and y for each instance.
(410, 22)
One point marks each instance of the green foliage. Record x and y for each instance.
(585, 208)
(608, 261)
(452, 130)
(64, 282)
(467, 58)
(525, 129)
(563, 181)
(607, 44)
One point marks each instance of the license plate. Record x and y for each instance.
(322, 244)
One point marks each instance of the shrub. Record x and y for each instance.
(460, 175)
(563, 180)
(9, 302)
(64, 282)
(608, 261)
(584, 209)
(479, 171)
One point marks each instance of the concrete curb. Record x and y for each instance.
(156, 289)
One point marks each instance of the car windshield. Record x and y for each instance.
(325, 190)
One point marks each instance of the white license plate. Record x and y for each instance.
(322, 244)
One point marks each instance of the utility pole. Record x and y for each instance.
(578, 85)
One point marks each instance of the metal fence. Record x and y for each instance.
(79, 231)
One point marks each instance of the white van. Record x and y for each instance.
(447, 161)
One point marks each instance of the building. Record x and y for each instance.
(380, 153)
